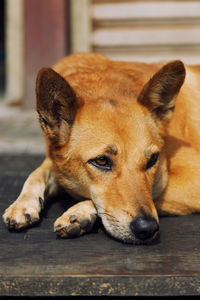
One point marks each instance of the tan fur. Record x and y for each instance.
(125, 111)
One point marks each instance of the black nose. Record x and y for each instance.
(144, 227)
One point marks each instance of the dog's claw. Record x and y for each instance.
(57, 228)
(73, 218)
(28, 218)
(7, 221)
(13, 222)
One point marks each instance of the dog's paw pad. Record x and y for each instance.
(73, 225)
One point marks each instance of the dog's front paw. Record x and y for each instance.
(20, 215)
(74, 225)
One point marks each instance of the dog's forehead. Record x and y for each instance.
(109, 83)
(112, 113)
(107, 126)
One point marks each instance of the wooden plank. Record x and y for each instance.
(151, 36)
(189, 54)
(108, 23)
(128, 1)
(99, 286)
(141, 9)
(33, 262)
(147, 31)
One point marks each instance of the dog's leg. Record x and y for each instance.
(25, 210)
(77, 220)
(181, 196)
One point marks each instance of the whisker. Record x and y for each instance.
(105, 212)
(128, 213)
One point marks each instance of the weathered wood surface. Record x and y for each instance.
(34, 262)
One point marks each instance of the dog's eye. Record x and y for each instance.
(102, 162)
(152, 161)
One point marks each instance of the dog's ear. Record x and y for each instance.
(159, 94)
(56, 105)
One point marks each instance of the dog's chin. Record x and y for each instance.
(132, 240)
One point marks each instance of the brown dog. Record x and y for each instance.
(112, 142)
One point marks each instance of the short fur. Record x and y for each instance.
(90, 108)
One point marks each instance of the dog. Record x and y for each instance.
(122, 137)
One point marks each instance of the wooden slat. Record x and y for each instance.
(152, 36)
(144, 30)
(122, 1)
(119, 23)
(187, 53)
(141, 9)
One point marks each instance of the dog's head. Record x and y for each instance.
(110, 148)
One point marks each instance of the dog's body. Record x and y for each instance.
(114, 141)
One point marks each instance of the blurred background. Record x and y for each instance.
(36, 33)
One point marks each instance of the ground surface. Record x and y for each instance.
(34, 262)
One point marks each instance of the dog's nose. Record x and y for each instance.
(144, 227)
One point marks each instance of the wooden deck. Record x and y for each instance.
(34, 262)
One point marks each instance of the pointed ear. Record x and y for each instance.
(159, 94)
(56, 105)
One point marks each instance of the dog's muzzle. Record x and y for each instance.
(144, 227)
